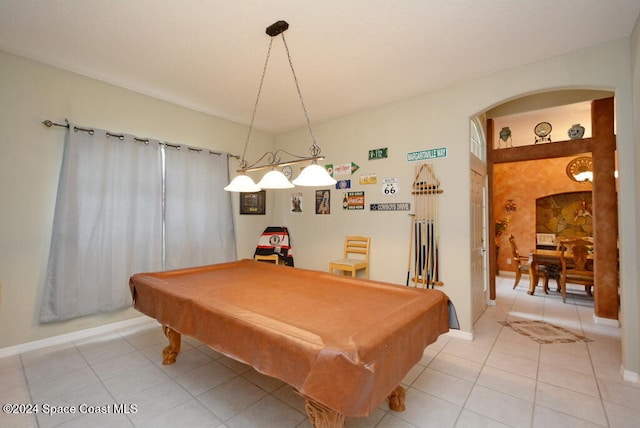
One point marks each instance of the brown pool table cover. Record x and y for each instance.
(343, 342)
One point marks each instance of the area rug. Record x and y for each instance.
(543, 332)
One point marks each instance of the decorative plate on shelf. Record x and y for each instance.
(542, 129)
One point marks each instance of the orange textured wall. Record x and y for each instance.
(524, 182)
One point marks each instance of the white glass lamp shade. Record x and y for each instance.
(242, 183)
(275, 180)
(314, 175)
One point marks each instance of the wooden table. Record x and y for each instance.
(344, 344)
(544, 258)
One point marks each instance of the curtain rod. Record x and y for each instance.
(49, 124)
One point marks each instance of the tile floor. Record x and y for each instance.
(501, 379)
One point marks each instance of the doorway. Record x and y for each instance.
(602, 146)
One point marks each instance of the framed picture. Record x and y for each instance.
(323, 201)
(548, 239)
(253, 202)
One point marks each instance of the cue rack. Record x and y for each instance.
(422, 269)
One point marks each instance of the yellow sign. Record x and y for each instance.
(368, 179)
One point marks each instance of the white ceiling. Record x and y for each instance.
(349, 55)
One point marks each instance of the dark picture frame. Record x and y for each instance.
(253, 202)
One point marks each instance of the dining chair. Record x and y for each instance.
(267, 258)
(355, 256)
(576, 268)
(522, 264)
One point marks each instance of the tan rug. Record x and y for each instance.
(543, 332)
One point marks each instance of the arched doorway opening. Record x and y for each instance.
(600, 144)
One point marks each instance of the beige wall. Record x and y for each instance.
(31, 156)
(441, 119)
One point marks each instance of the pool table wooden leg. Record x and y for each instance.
(170, 353)
(323, 417)
(396, 399)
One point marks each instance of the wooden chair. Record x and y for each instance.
(274, 246)
(267, 258)
(357, 246)
(522, 265)
(575, 265)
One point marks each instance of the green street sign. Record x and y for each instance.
(378, 153)
(427, 154)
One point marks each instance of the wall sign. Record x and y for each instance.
(353, 201)
(393, 206)
(378, 153)
(342, 169)
(368, 179)
(343, 184)
(390, 186)
(427, 154)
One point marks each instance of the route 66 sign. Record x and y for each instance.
(390, 186)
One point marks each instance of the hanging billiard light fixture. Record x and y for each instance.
(312, 175)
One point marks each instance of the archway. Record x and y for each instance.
(601, 144)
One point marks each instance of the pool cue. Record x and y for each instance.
(412, 216)
(437, 242)
(428, 221)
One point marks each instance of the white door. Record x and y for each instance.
(478, 245)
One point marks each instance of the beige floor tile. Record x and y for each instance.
(572, 403)
(508, 383)
(504, 408)
(516, 365)
(467, 350)
(621, 393)
(579, 382)
(621, 416)
(544, 417)
(550, 357)
(456, 366)
(444, 386)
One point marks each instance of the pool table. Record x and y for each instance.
(343, 343)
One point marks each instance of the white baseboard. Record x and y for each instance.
(459, 334)
(629, 376)
(70, 337)
(606, 322)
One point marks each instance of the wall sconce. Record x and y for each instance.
(510, 206)
(312, 175)
(581, 169)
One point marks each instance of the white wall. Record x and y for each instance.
(30, 156)
(441, 119)
(631, 269)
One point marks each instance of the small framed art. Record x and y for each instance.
(252, 202)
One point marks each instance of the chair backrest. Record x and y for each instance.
(275, 240)
(357, 245)
(579, 249)
(517, 259)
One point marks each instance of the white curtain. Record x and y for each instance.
(120, 209)
(107, 223)
(198, 211)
